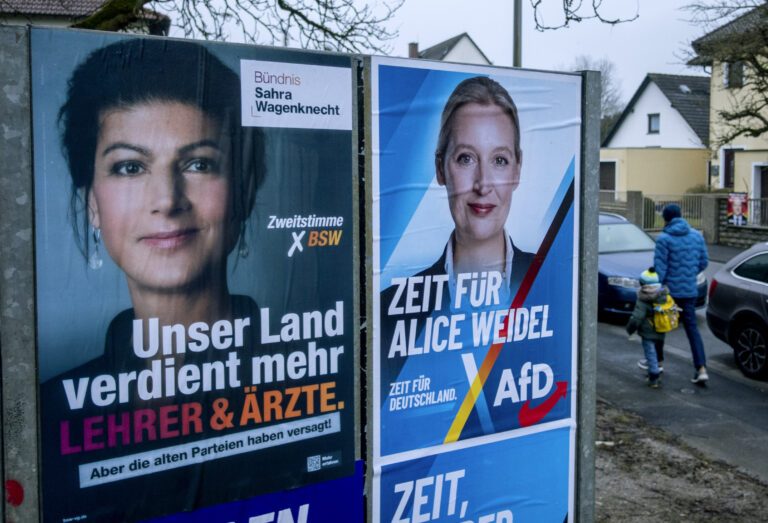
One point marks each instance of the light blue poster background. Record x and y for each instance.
(414, 226)
(520, 479)
(404, 429)
(415, 221)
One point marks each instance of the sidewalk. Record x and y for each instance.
(722, 253)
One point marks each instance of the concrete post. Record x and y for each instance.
(587, 308)
(710, 218)
(635, 207)
(17, 293)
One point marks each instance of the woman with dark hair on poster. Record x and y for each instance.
(164, 178)
(163, 174)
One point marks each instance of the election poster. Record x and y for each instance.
(316, 503)
(737, 208)
(475, 176)
(500, 481)
(194, 235)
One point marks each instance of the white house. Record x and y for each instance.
(460, 49)
(659, 145)
(666, 111)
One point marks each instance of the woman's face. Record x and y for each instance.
(480, 171)
(160, 194)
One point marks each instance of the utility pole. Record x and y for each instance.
(517, 37)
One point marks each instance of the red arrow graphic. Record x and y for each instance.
(530, 416)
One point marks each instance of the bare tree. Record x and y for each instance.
(739, 40)
(717, 12)
(339, 25)
(611, 104)
(610, 94)
(550, 14)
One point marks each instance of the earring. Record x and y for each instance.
(243, 251)
(94, 260)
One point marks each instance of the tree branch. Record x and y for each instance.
(114, 15)
(574, 11)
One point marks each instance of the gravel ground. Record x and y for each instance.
(645, 474)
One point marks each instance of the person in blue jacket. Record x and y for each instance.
(680, 256)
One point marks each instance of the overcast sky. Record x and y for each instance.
(654, 43)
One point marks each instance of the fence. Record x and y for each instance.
(705, 212)
(757, 212)
(649, 214)
(653, 204)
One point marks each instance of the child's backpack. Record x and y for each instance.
(666, 315)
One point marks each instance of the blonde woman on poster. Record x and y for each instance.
(478, 160)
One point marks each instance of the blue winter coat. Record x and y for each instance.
(681, 255)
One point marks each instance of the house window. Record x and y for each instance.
(733, 74)
(653, 123)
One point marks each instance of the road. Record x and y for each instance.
(727, 420)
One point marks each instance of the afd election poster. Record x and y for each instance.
(475, 176)
(193, 228)
(520, 479)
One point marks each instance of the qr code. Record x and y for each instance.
(313, 463)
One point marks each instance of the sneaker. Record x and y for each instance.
(654, 383)
(701, 377)
(643, 364)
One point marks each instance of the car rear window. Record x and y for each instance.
(623, 237)
(755, 268)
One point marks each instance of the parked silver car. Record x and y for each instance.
(737, 312)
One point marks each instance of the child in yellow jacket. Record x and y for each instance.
(651, 293)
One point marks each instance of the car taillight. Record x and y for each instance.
(712, 287)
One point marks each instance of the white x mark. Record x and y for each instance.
(296, 243)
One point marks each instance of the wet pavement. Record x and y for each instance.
(727, 420)
(722, 253)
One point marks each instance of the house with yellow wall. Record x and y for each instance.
(659, 144)
(740, 163)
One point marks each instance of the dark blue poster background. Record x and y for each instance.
(196, 340)
(318, 503)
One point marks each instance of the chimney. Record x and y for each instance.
(413, 50)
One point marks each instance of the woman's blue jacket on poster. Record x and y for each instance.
(681, 255)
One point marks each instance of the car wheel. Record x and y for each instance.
(750, 349)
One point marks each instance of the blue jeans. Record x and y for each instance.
(688, 319)
(649, 347)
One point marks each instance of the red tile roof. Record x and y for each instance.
(50, 7)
